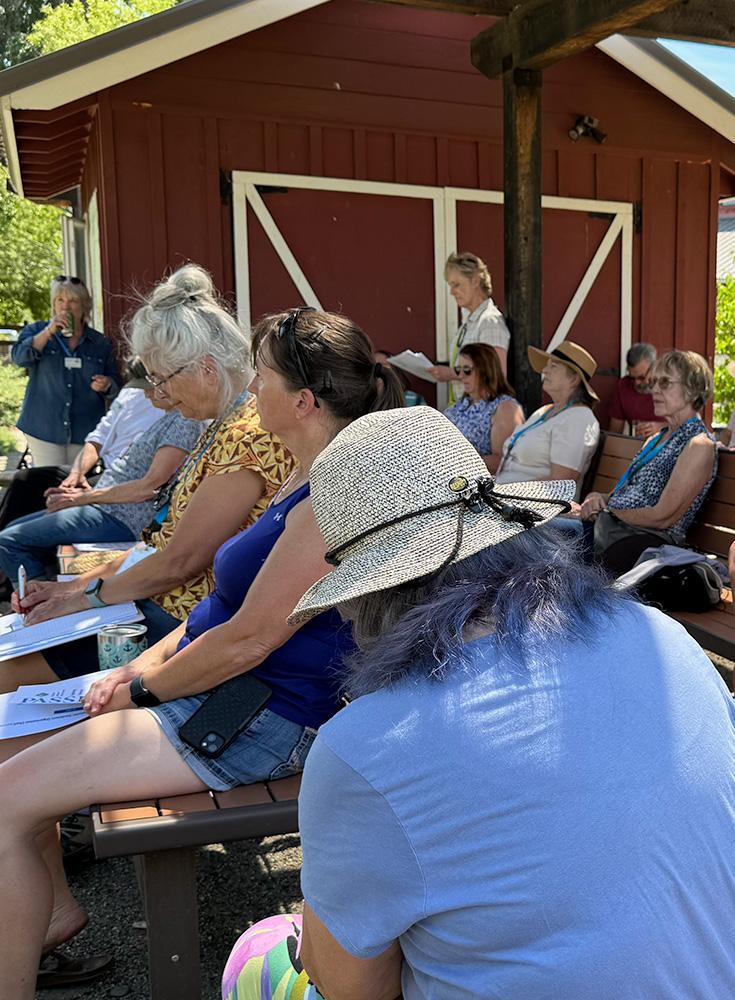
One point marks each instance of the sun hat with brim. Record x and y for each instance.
(401, 494)
(137, 373)
(570, 354)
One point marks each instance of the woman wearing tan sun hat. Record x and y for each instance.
(478, 821)
(558, 440)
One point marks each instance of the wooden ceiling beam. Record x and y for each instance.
(538, 33)
(711, 21)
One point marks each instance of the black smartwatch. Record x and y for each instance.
(140, 696)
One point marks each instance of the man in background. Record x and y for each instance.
(632, 402)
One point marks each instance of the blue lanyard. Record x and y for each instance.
(64, 348)
(649, 452)
(524, 430)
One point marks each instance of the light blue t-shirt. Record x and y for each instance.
(562, 831)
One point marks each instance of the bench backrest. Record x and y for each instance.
(714, 529)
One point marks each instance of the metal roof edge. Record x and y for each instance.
(674, 78)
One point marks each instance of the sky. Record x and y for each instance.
(717, 62)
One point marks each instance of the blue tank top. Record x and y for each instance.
(305, 672)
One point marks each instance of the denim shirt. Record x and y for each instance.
(59, 405)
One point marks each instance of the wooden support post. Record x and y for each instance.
(168, 887)
(522, 224)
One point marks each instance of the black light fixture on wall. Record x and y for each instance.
(587, 125)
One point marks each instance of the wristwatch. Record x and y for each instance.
(140, 696)
(92, 591)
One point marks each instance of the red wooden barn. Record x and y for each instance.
(336, 152)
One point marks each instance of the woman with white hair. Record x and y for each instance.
(71, 372)
(148, 735)
(516, 803)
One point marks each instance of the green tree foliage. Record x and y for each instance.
(725, 347)
(30, 255)
(76, 20)
(17, 17)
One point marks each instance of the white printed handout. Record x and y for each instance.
(67, 692)
(24, 720)
(415, 362)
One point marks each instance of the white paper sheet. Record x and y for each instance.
(67, 692)
(24, 720)
(17, 639)
(415, 362)
(100, 546)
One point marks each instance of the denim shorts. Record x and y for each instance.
(271, 747)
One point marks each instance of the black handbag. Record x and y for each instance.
(694, 587)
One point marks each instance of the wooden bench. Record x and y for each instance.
(713, 532)
(163, 835)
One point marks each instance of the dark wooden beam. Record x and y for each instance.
(710, 21)
(522, 224)
(490, 8)
(539, 33)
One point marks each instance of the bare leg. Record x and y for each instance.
(30, 669)
(118, 756)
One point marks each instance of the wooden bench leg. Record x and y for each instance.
(168, 886)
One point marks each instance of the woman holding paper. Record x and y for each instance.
(471, 287)
(314, 374)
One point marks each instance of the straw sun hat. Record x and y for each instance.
(400, 494)
(570, 354)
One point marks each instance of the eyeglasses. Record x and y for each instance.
(663, 382)
(463, 369)
(72, 281)
(287, 333)
(156, 383)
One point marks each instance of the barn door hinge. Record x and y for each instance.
(225, 186)
(637, 216)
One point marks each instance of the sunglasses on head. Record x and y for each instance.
(463, 369)
(64, 277)
(663, 382)
(287, 333)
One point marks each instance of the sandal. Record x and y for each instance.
(58, 970)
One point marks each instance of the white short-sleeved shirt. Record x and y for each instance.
(485, 325)
(130, 414)
(569, 438)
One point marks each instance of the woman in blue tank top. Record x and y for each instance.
(314, 374)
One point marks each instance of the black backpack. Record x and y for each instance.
(695, 587)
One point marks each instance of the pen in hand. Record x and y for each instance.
(22, 582)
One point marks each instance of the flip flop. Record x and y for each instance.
(58, 970)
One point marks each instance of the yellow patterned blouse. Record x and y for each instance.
(240, 443)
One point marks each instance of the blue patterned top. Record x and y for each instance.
(644, 488)
(475, 420)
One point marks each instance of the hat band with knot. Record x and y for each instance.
(570, 361)
(468, 497)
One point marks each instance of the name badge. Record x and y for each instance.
(72, 362)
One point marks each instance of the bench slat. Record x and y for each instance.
(117, 812)
(622, 446)
(713, 630)
(181, 805)
(245, 795)
(612, 467)
(285, 788)
(709, 538)
(723, 490)
(720, 515)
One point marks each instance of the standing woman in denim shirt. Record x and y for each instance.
(71, 371)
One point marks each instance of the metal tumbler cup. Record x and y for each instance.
(119, 644)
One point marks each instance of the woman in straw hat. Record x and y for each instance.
(559, 439)
(510, 806)
(314, 374)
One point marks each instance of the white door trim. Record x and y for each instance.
(444, 208)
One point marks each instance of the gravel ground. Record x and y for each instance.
(238, 884)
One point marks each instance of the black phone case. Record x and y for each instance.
(228, 710)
